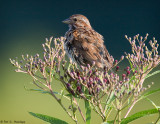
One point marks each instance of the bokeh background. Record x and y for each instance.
(24, 25)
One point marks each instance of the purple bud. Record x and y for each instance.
(117, 68)
(78, 73)
(105, 73)
(68, 85)
(96, 78)
(79, 78)
(120, 82)
(123, 76)
(100, 84)
(88, 65)
(138, 48)
(79, 89)
(128, 72)
(116, 61)
(90, 78)
(127, 79)
(90, 71)
(105, 80)
(98, 90)
(135, 71)
(127, 68)
(42, 69)
(72, 92)
(83, 78)
(89, 83)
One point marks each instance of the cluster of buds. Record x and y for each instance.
(142, 60)
(91, 83)
(43, 68)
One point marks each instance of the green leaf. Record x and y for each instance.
(145, 68)
(157, 107)
(48, 71)
(88, 112)
(149, 93)
(139, 115)
(131, 65)
(149, 75)
(132, 78)
(112, 97)
(106, 123)
(49, 119)
(69, 95)
(42, 91)
(38, 90)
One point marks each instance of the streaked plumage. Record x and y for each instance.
(84, 45)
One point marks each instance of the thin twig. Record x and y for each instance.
(58, 100)
(130, 108)
(79, 110)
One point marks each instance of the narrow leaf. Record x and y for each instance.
(157, 107)
(112, 97)
(88, 112)
(49, 119)
(106, 123)
(149, 75)
(131, 65)
(145, 68)
(132, 78)
(149, 93)
(38, 90)
(139, 115)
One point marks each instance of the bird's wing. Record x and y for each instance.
(90, 45)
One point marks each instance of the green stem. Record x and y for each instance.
(107, 115)
(119, 116)
(130, 108)
(58, 100)
(115, 118)
(73, 109)
(79, 109)
(158, 119)
(107, 101)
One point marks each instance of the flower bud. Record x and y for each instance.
(128, 72)
(117, 68)
(122, 57)
(79, 89)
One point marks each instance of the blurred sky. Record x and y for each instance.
(24, 25)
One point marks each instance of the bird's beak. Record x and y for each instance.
(67, 21)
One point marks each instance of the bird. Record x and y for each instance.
(84, 45)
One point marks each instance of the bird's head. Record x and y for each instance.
(77, 20)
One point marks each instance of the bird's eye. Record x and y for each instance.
(75, 19)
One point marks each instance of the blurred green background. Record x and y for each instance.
(24, 25)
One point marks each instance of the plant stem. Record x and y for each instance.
(130, 108)
(115, 118)
(101, 110)
(73, 110)
(158, 118)
(107, 102)
(94, 108)
(119, 116)
(79, 110)
(74, 119)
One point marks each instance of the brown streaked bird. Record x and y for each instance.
(84, 45)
